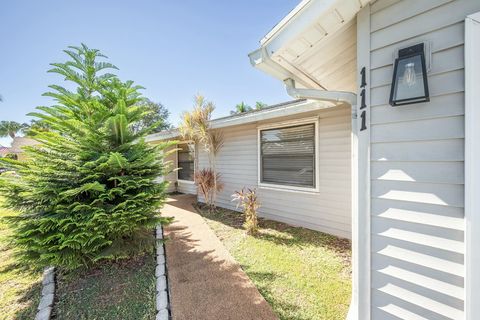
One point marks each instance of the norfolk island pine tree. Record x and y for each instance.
(88, 192)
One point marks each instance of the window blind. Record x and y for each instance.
(185, 162)
(288, 156)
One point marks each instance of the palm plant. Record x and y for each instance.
(260, 105)
(11, 128)
(36, 126)
(195, 126)
(241, 108)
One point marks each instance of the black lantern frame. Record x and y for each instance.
(404, 54)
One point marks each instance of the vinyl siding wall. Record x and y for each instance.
(171, 161)
(186, 187)
(328, 210)
(417, 168)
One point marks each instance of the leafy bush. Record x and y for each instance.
(249, 201)
(87, 192)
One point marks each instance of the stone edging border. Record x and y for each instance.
(162, 299)
(45, 305)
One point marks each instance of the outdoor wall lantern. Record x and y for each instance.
(409, 84)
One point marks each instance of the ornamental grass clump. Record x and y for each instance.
(248, 200)
(196, 126)
(209, 184)
(87, 192)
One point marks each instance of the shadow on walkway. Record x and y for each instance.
(205, 281)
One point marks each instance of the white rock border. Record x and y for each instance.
(162, 301)
(45, 305)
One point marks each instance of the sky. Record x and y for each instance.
(175, 49)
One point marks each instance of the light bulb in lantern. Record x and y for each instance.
(409, 77)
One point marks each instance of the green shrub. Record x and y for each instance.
(88, 191)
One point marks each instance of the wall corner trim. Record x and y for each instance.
(472, 167)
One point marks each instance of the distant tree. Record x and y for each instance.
(37, 126)
(260, 105)
(241, 108)
(155, 115)
(11, 128)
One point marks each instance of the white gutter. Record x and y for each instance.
(320, 95)
(349, 98)
(262, 60)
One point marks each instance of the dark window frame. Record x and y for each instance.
(181, 164)
(261, 157)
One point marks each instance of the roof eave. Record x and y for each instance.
(268, 57)
(253, 117)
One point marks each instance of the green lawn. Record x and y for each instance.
(303, 274)
(114, 290)
(19, 286)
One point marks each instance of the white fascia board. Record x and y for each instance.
(163, 135)
(307, 15)
(266, 114)
(284, 21)
(309, 12)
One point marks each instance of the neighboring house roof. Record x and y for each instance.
(19, 143)
(271, 112)
(4, 150)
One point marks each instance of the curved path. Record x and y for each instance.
(205, 281)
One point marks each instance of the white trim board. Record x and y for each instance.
(361, 248)
(472, 167)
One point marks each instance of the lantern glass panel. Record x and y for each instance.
(409, 83)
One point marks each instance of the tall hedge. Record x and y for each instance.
(87, 192)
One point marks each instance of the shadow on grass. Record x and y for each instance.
(20, 286)
(121, 289)
(205, 284)
(276, 301)
(29, 299)
(281, 233)
(278, 286)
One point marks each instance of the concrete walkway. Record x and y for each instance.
(205, 281)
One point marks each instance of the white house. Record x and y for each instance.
(297, 154)
(391, 123)
(415, 180)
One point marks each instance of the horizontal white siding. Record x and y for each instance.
(170, 162)
(186, 187)
(417, 168)
(328, 210)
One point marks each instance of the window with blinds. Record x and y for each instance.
(185, 162)
(288, 156)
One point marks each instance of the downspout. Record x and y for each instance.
(322, 95)
(349, 98)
